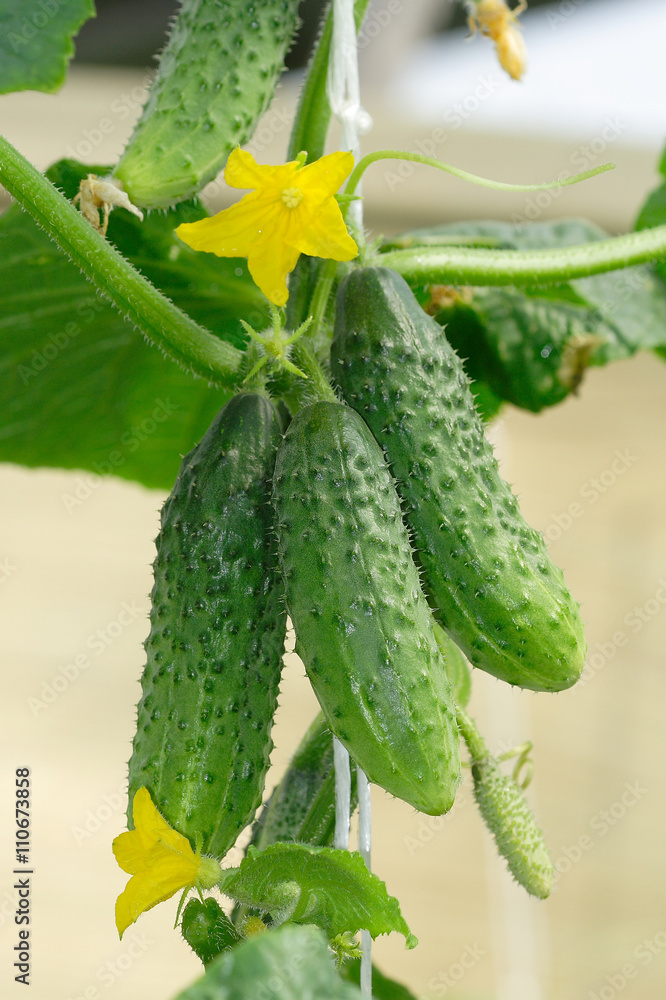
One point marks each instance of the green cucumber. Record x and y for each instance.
(363, 627)
(302, 807)
(508, 817)
(214, 654)
(207, 929)
(486, 573)
(216, 76)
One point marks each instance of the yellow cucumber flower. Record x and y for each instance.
(160, 861)
(290, 210)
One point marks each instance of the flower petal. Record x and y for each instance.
(147, 889)
(233, 231)
(269, 263)
(154, 829)
(243, 171)
(322, 179)
(325, 234)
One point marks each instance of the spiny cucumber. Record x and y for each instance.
(207, 929)
(216, 76)
(363, 628)
(508, 817)
(487, 574)
(217, 634)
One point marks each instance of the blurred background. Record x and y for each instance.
(590, 474)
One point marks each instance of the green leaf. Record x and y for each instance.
(302, 807)
(207, 929)
(530, 346)
(80, 388)
(290, 963)
(383, 988)
(36, 41)
(316, 885)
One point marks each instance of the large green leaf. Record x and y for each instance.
(36, 41)
(80, 387)
(290, 963)
(530, 346)
(316, 885)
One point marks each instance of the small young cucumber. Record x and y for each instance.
(508, 817)
(363, 627)
(302, 807)
(216, 76)
(487, 574)
(217, 634)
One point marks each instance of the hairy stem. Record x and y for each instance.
(466, 266)
(161, 322)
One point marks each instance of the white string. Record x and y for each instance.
(344, 96)
(342, 794)
(343, 90)
(365, 847)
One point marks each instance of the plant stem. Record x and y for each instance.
(429, 161)
(465, 266)
(162, 323)
(318, 386)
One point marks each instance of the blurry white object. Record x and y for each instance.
(592, 65)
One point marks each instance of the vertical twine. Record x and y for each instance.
(345, 100)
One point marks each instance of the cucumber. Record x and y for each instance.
(216, 76)
(363, 627)
(214, 653)
(508, 817)
(302, 807)
(207, 929)
(486, 573)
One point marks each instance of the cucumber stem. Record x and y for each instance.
(475, 744)
(161, 322)
(467, 266)
(318, 386)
